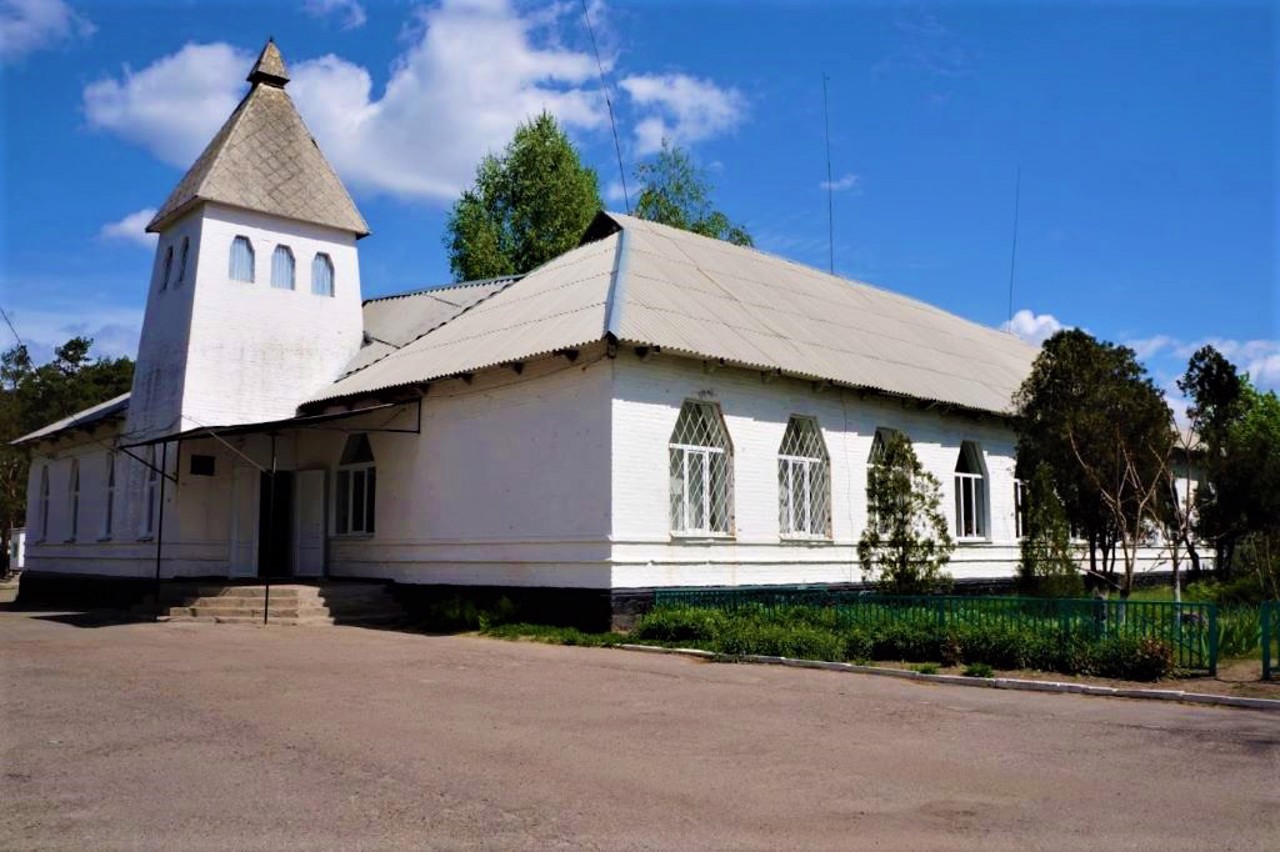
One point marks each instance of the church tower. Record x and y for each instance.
(254, 303)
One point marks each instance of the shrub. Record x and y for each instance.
(978, 670)
(797, 641)
(1134, 658)
(927, 668)
(858, 646)
(910, 642)
(681, 624)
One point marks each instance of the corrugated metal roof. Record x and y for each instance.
(99, 413)
(709, 299)
(265, 159)
(393, 322)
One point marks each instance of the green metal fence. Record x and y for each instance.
(1270, 613)
(1189, 629)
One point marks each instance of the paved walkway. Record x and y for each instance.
(204, 737)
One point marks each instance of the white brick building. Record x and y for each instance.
(522, 433)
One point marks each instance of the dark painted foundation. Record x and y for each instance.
(441, 606)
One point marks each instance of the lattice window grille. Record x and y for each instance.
(804, 481)
(701, 460)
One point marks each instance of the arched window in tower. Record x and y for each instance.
(43, 506)
(701, 472)
(182, 262)
(357, 488)
(241, 260)
(322, 275)
(73, 500)
(804, 481)
(282, 268)
(109, 499)
(168, 268)
(971, 493)
(150, 494)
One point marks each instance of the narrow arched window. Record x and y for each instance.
(971, 493)
(701, 471)
(150, 493)
(282, 268)
(804, 480)
(241, 260)
(109, 498)
(73, 500)
(322, 275)
(168, 268)
(356, 489)
(182, 261)
(43, 506)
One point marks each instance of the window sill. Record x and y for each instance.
(971, 542)
(701, 537)
(807, 539)
(356, 536)
(146, 538)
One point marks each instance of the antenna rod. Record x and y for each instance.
(617, 146)
(831, 225)
(1013, 253)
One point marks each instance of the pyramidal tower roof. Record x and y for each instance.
(264, 159)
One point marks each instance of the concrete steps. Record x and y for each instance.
(290, 603)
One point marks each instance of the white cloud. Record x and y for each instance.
(114, 330)
(29, 25)
(1149, 347)
(473, 70)
(173, 106)
(1032, 327)
(351, 11)
(849, 181)
(681, 108)
(132, 228)
(614, 193)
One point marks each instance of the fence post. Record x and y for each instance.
(1213, 640)
(1269, 609)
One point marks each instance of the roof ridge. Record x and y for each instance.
(426, 291)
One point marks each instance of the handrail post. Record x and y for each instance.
(1268, 610)
(1213, 640)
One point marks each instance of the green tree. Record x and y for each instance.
(675, 192)
(531, 204)
(33, 396)
(905, 546)
(1091, 414)
(1048, 565)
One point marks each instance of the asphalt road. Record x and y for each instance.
(211, 736)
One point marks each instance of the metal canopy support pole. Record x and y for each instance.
(164, 467)
(271, 530)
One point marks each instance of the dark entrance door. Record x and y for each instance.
(275, 528)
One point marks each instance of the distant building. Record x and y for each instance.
(651, 409)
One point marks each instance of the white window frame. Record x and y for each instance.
(73, 501)
(109, 505)
(348, 478)
(1019, 509)
(815, 472)
(971, 489)
(325, 260)
(283, 251)
(168, 267)
(708, 455)
(182, 262)
(242, 240)
(150, 495)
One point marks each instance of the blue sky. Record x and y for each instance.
(1145, 134)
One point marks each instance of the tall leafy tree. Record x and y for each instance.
(528, 205)
(33, 395)
(675, 191)
(1091, 414)
(905, 546)
(1048, 560)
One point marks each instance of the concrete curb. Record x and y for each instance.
(1270, 704)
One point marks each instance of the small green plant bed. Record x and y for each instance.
(978, 670)
(926, 668)
(815, 633)
(554, 635)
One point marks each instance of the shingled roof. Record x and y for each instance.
(265, 159)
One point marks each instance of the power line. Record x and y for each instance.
(831, 206)
(9, 323)
(617, 145)
(1013, 252)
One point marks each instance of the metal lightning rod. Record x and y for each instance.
(831, 221)
(1013, 252)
